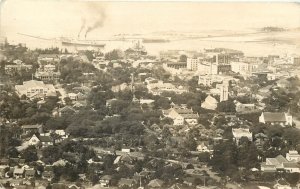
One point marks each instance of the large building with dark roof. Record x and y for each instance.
(273, 118)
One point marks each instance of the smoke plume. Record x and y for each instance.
(98, 22)
(94, 19)
(83, 21)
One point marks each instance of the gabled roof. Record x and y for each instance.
(156, 183)
(30, 172)
(124, 181)
(291, 165)
(31, 126)
(45, 139)
(277, 160)
(67, 108)
(106, 177)
(18, 171)
(190, 116)
(274, 117)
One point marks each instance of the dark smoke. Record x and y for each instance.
(82, 26)
(98, 12)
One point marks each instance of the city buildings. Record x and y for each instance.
(280, 163)
(160, 87)
(18, 66)
(35, 89)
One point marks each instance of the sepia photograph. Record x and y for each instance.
(128, 94)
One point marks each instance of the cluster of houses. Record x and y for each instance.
(17, 66)
(181, 115)
(289, 163)
(36, 136)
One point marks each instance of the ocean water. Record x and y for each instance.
(253, 45)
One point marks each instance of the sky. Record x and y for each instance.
(55, 18)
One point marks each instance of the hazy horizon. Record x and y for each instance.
(64, 17)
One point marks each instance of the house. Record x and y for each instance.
(204, 148)
(34, 140)
(156, 183)
(147, 101)
(180, 186)
(279, 163)
(35, 89)
(16, 162)
(210, 103)
(49, 67)
(3, 169)
(282, 184)
(59, 186)
(32, 129)
(47, 75)
(123, 182)
(63, 135)
(48, 58)
(18, 66)
(110, 102)
(48, 173)
(4, 161)
(18, 173)
(240, 133)
(293, 155)
(73, 96)
(46, 141)
(42, 139)
(105, 180)
(160, 87)
(121, 87)
(272, 118)
(30, 173)
(241, 108)
(67, 110)
(284, 83)
(181, 115)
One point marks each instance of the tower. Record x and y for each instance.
(224, 91)
(134, 99)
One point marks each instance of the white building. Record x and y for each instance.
(279, 163)
(17, 67)
(293, 155)
(35, 89)
(180, 116)
(239, 133)
(272, 118)
(160, 87)
(192, 63)
(244, 67)
(224, 90)
(210, 103)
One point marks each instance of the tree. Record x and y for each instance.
(226, 106)
(30, 154)
(204, 157)
(224, 158)
(190, 144)
(51, 154)
(114, 55)
(292, 178)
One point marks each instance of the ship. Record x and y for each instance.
(148, 40)
(81, 43)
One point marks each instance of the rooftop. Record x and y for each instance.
(274, 116)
